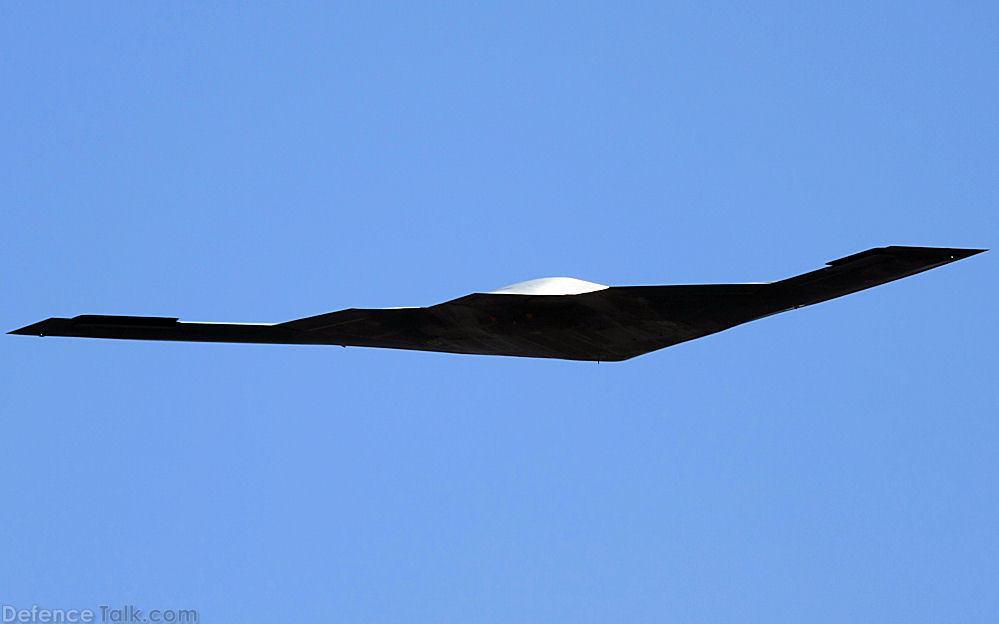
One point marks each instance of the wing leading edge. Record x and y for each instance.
(610, 324)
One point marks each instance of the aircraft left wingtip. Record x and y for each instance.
(965, 253)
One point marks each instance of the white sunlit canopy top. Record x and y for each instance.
(550, 286)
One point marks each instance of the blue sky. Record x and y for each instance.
(249, 162)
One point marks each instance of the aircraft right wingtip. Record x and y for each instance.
(28, 330)
(41, 328)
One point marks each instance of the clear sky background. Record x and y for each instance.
(242, 162)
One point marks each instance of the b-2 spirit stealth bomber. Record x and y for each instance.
(557, 317)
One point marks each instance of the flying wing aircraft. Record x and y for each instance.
(557, 317)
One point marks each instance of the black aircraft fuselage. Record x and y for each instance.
(589, 322)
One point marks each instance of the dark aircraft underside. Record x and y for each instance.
(608, 324)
